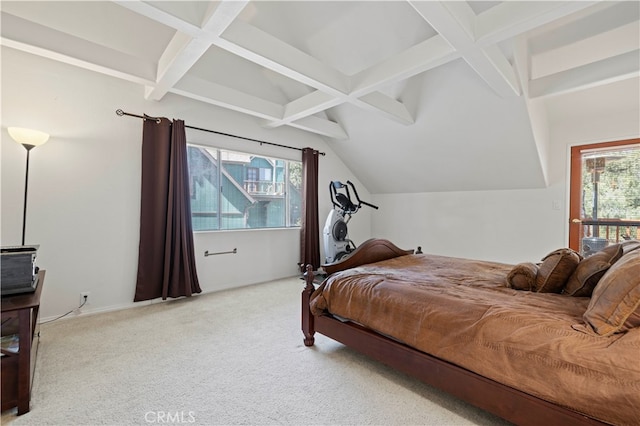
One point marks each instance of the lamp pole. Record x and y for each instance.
(26, 187)
(29, 139)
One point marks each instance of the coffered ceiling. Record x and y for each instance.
(391, 85)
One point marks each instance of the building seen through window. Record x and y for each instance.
(235, 190)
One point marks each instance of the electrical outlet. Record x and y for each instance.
(84, 296)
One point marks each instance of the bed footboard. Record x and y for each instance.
(503, 401)
(372, 250)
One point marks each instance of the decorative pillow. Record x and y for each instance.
(615, 304)
(630, 245)
(555, 269)
(584, 279)
(523, 276)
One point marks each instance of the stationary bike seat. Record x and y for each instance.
(345, 203)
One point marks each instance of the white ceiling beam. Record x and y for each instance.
(184, 51)
(220, 14)
(611, 18)
(394, 110)
(512, 18)
(465, 17)
(261, 48)
(626, 65)
(36, 39)
(149, 11)
(318, 101)
(423, 56)
(456, 26)
(179, 56)
(522, 60)
(304, 106)
(494, 67)
(535, 109)
(322, 127)
(225, 97)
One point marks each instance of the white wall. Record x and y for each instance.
(84, 184)
(510, 226)
(506, 226)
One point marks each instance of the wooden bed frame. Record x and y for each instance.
(504, 401)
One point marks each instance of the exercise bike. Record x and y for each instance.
(336, 243)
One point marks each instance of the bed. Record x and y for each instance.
(530, 357)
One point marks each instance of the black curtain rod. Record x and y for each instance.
(157, 119)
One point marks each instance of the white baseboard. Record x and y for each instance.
(86, 312)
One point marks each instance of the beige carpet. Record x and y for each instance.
(232, 357)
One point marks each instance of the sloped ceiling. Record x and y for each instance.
(414, 96)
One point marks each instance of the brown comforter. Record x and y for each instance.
(461, 311)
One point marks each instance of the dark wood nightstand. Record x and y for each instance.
(20, 334)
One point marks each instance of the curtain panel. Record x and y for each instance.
(310, 231)
(166, 259)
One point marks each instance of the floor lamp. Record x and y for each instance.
(29, 139)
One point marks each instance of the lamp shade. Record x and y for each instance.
(28, 136)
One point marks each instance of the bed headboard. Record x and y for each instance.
(372, 250)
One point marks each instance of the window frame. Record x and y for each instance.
(575, 184)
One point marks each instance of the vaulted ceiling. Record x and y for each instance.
(414, 96)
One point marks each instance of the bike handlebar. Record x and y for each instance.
(369, 204)
(345, 203)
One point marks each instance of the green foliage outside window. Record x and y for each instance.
(618, 185)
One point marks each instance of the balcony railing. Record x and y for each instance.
(597, 234)
(264, 187)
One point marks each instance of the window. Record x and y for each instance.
(605, 195)
(236, 190)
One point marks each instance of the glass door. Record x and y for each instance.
(604, 195)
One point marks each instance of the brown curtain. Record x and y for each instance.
(166, 260)
(310, 232)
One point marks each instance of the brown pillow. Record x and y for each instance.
(615, 304)
(630, 245)
(555, 269)
(586, 276)
(523, 276)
